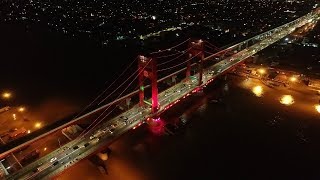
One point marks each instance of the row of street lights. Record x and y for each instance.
(263, 71)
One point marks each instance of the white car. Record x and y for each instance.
(53, 159)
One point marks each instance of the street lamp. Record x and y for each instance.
(293, 79)
(6, 95)
(37, 125)
(317, 107)
(287, 100)
(262, 71)
(21, 109)
(258, 91)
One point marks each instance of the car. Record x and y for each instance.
(53, 159)
(219, 70)
(95, 140)
(55, 163)
(75, 147)
(86, 144)
(123, 117)
(112, 130)
(114, 125)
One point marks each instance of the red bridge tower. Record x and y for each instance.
(148, 70)
(197, 51)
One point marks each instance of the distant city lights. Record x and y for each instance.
(28, 131)
(44, 149)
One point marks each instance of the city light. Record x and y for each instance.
(6, 95)
(21, 109)
(293, 79)
(287, 100)
(317, 108)
(28, 131)
(44, 149)
(37, 125)
(14, 116)
(262, 71)
(258, 91)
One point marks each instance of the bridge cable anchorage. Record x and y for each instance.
(185, 51)
(104, 91)
(164, 69)
(169, 49)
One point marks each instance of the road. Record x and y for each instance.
(72, 152)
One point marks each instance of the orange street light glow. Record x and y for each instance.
(287, 100)
(28, 131)
(6, 95)
(44, 149)
(293, 79)
(262, 71)
(317, 108)
(37, 125)
(21, 109)
(258, 91)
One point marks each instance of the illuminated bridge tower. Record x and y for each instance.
(197, 51)
(147, 68)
